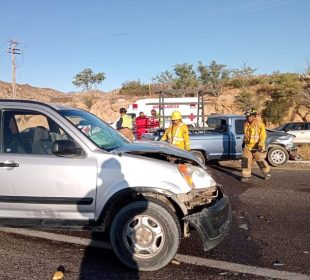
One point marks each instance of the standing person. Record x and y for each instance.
(141, 125)
(254, 146)
(177, 133)
(154, 120)
(124, 124)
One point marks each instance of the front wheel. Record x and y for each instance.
(145, 235)
(277, 156)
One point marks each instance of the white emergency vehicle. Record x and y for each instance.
(187, 106)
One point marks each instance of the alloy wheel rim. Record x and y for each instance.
(278, 157)
(144, 236)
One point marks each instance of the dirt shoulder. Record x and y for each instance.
(304, 151)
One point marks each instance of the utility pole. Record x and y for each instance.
(13, 50)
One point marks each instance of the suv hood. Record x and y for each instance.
(280, 134)
(275, 136)
(156, 149)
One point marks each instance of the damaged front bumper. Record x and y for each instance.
(212, 221)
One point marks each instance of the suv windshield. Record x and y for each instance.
(103, 135)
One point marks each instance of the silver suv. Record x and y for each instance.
(61, 166)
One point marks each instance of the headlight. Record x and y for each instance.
(196, 177)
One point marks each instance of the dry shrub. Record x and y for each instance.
(304, 151)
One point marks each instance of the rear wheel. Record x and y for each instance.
(277, 156)
(145, 235)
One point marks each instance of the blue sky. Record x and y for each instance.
(138, 39)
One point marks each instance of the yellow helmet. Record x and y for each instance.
(250, 112)
(176, 115)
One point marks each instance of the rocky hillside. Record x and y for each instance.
(106, 105)
(28, 92)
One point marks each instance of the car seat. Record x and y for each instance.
(42, 143)
(11, 140)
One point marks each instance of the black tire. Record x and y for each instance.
(145, 235)
(277, 155)
(199, 155)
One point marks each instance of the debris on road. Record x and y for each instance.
(59, 273)
(277, 263)
(263, 218)
(244, 226)
(175, 262)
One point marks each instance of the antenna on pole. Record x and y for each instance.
(13, 50)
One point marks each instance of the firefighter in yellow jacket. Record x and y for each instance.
(254, 146)
(125, 124)
(177, 133)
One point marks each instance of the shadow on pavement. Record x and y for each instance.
(120, 229)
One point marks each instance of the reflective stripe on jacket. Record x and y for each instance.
(177, 136)
(254, 135)
(127, 122)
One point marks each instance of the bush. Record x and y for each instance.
(89, 101)
(286, 93)
(244, 100)
(134, 88)
(275, 111)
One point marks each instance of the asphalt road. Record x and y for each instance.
(271, 229)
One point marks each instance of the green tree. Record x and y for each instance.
(286, 95)
(245, 100)
(89, 101)
(275, 111)
(185, 76)
(306, 86)
(87, 79)
(214, 77)
(242, 78)
(131, 88)
(166, 78)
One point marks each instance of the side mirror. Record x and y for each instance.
(66, 148)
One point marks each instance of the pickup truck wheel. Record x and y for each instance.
(145, 235)
(199, 155)
(277, 156)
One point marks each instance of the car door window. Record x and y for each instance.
(219, 125)
(239, 124)
(295, 127)
(29, 132)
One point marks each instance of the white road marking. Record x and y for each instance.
(240, 268)
(57, 237)
(235, 267)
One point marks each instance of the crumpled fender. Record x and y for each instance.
(212, 223)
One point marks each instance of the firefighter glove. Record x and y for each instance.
(243, 144)
(260, 149)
